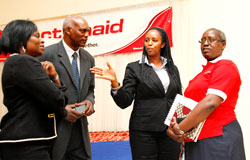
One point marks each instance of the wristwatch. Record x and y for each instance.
(179, 130)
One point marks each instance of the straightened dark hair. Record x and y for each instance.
(166, 53)
(15, 35)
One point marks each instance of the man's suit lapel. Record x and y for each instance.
(64, 59)
(84, 66)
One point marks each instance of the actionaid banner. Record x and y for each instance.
(115, 31)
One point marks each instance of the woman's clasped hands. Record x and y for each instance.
(173, 131)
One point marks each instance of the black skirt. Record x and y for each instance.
(229, 146)
(30, 150)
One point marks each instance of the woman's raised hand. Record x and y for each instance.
(108, 74)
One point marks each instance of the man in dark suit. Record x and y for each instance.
(73, 65)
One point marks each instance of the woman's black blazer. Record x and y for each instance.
(32, 100)
(151, 103)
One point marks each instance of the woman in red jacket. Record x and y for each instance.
(216, 89)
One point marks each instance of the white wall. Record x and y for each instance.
(43, 9)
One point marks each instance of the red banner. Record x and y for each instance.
(113, 32)
(162, 20)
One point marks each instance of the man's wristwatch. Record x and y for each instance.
(179, 130)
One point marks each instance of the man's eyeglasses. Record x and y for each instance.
(210, 40)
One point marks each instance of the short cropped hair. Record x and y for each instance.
(222, 34)
(66, 22)
(16, 34)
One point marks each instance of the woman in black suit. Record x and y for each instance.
(152, 83)
(32, 92)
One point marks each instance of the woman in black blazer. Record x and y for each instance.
(152, 83)
(32, 92)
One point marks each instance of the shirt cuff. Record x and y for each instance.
(115, 90)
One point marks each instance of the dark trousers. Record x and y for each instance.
(76, 149)
(32, 150)
(153, 146)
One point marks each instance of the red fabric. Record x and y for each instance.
(223, 76)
